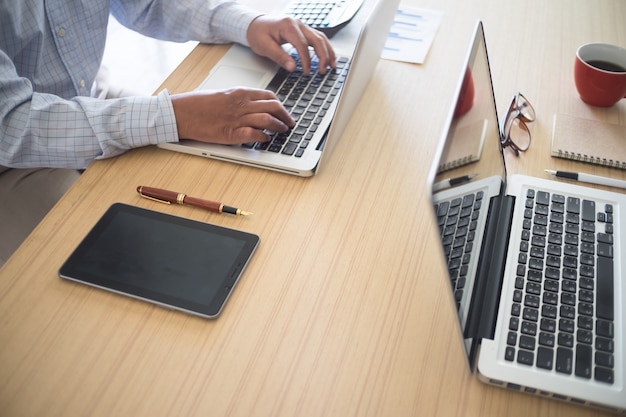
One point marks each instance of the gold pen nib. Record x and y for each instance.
(233, 210)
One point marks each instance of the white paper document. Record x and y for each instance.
(411, 34)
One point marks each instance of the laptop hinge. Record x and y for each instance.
(486, 297)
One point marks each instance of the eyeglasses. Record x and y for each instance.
(515, 132)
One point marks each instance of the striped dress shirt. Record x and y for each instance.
(50, 53)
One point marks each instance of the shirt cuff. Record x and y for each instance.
(147, 121)
(232, 20)
(153, 121)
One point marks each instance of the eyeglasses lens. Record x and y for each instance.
(516, 131)
(519, 134)
(526, 111)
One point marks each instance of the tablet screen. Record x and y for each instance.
(172, 261)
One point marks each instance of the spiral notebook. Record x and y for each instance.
(590, 141)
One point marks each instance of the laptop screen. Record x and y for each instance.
(467, 173)
(471, 143)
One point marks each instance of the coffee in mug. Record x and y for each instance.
(600, 74)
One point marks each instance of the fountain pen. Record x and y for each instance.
(169, 197)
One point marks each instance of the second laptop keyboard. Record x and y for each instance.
(562, 317)
(307, 98)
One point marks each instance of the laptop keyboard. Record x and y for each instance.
(562, 316)
(307, 98)
(457, 220)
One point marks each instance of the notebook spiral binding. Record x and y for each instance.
(590, 159)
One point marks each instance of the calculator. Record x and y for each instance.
(327, 16)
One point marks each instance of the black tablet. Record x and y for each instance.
(171, 261)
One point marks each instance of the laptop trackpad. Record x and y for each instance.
(226, 76)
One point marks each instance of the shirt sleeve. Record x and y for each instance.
(207, 21)
(44, 130)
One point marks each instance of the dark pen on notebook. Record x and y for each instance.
(588, 178)
(451, 182)
(170, 197)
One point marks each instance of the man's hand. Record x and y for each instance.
(229, 117)
(266, 34)
(240, 115)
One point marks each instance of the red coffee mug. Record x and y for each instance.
(600, 74)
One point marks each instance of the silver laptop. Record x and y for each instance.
(536, 267)
(320, 120)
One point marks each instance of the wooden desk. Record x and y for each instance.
(345, 309)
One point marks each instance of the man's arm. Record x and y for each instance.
(206, 21)
(44, 130)
(219, 21)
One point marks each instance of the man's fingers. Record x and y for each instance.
(271, 107)
(250, 134)
(264, 121)
(322, 47)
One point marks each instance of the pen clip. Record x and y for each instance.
(155, 199)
